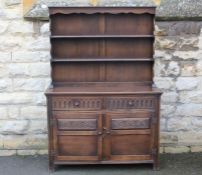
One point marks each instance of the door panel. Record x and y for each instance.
(134, 144)
(78, 136)
(78, 145)
(128, 136)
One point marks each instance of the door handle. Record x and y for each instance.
(106, 130)
(99, 132)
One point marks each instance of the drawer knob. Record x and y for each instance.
(77, 103)
(99, 132)
(130, 103)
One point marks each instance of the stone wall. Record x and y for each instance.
(25, 74)
(178, 72)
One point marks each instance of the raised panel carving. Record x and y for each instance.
(77, 124)
(130, 123)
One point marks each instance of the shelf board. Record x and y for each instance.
(101, 36)
(101, 59)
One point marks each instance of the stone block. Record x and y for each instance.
(188, 69)
(40, 99)
(167, 138)
(5, 56)
(177, 149)
(169, 97)
(160, 31)
(1, 142)
(13, 126)
(32, 152)
(18, 70)
(26, 152)
(32, 84)
(42, 152)
(3, 112)
(33, 112)
(3, 26)
(159, 68)
(163, 122)
(161, 150)
(199, 68)
(38, 127)
(191, 97)
(6, 85)
(26, 142)
(162, 55)
(16, 98)
(39, 44)
(173, 69)
(44, 29)
(11, 43)
(12, 2)
(190, 109)
(13, 112)
(186, 83)
(179, 124)
(195, 149)
(29, 56)
(21, 27)
(162, 43)
(167, 110)
(39, 69)
(7, 152)
(191, 138)
(13, 13)
(188, 43)
(164, 83)
(4, 71)
(196, 123)
(186, 55)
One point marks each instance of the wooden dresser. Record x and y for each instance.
(102, 107)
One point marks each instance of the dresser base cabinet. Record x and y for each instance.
(103, 129)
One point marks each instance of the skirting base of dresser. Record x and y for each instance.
(55, 165)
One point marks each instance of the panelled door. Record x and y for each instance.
(128, 136)
(77, 136)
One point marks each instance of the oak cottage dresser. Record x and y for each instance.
(102, 107)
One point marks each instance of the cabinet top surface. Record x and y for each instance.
(102, 88)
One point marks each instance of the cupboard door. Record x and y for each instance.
(78, 136)
(128, 136)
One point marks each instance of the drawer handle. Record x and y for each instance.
(77, 103)
(106, 130)
(99, 133)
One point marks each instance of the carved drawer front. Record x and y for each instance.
(130, 103)
(76, 103)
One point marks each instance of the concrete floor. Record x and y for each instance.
(181, 164)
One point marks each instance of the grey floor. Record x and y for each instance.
(181, 164)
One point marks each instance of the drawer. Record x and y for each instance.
(76, 103)
(130, 103)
